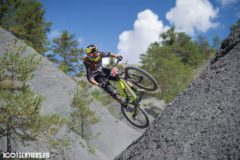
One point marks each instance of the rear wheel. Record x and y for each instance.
(137, 118)
(140, 78)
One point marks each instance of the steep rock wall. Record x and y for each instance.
(204, 121)
(58, 90)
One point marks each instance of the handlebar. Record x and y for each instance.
(116, 64)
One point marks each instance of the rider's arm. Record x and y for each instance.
(113, 56)
(108, 54)
(89, 76)
(93, 81)
(105, 54)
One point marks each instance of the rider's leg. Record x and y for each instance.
(108, 88)
(117, 97)
(107, 73)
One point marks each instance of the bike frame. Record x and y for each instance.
(129, 88)
(125, 84)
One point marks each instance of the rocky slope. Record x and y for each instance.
(204, 121)
(58, 90)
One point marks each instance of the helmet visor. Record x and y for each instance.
(93, 56)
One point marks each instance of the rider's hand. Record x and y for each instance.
(119, 58)
(102, 84)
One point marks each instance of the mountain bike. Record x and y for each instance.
(132, 83)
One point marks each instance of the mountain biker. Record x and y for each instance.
(97, 74)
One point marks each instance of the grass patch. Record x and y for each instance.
(102, 97)
(92, 149)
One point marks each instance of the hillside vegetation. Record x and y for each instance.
(173, 60)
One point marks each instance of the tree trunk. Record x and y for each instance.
(9, 146)
(82, 129)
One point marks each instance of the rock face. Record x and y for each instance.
(58, 90)
(204, 121)
(115, 135)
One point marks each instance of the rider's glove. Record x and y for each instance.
(119, 58)
(102, 85)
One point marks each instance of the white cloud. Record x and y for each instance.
(192, 15)
(147, 28)
(227, 2)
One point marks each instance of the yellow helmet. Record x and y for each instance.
(91, 49)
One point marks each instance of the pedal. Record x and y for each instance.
(129, 109)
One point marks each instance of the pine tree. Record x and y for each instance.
(83, 116)
(20, 117)
(183, 46)
(204, 48)
(67, 54)
(173, 60)
(168, 37)
(25, 19)
(171, 74)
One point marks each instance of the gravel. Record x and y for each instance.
(203, 123)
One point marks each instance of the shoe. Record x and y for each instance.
(121, 100)
(129, 109)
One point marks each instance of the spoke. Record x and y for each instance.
(140, 78)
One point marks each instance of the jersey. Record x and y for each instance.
(95, 68)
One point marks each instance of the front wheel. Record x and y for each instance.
(137, 118)
(140, 78)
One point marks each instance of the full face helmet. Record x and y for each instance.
(92, 52)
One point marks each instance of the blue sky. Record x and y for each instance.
(127, 27)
